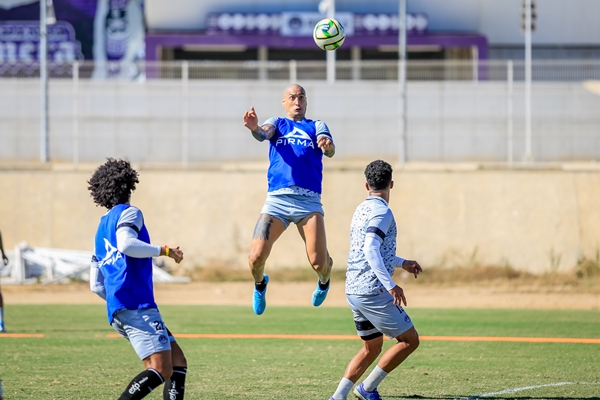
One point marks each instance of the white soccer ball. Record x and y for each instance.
(329, 34)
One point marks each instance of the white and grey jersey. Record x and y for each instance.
(374, 217)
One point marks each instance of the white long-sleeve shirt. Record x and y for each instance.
(372, 258)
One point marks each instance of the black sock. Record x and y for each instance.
(324, 286)
(142, 385)
(175, 386)
(260, 286)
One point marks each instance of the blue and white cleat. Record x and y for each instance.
(259, 300)
(319, 295)
(361, 393)
(2, 329)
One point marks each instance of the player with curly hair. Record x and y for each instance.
(121, 273)
(376, 301)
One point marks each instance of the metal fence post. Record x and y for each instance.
(263, 63)
(402, 82)
(509, 112)
(75, 115)
(293, 65)
(528, 156)
(43, 56)
(184, 112)
(475, 64)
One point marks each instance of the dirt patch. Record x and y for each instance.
(492, 295)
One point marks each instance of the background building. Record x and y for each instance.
(438, 29)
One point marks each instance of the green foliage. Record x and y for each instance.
(589, 267)
(76, 360)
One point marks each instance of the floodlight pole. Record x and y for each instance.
(402, 82)
(43, 55)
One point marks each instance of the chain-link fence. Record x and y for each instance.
(191, 112)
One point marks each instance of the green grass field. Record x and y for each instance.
(76, 360)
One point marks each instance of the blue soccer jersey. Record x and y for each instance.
(295, 159)
(127, 280)
(372, 216)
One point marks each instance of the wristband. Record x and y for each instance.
(167, 251)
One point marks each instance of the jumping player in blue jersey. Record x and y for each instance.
(121, 273)
(376, 301)
(295, 176)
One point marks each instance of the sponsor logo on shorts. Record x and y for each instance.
(163, 339)
(406, 319)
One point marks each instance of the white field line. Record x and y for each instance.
(507, 391)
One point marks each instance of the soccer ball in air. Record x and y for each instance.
(329, 34)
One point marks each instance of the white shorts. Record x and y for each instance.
(376, 314)
(145, 330)
(291, 208)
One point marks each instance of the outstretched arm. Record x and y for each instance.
(128, 226)
(409, 266)
(260, 133)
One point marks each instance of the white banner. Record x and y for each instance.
(303, 23)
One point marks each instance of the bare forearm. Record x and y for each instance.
(259, 134)
(262, 133)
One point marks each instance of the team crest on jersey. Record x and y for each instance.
(296, 137)
(112, 254)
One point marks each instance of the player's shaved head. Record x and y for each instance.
(294, 102)
(294, 88)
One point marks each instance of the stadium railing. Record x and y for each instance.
(456, 110)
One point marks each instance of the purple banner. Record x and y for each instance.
(103, 30)
(20, 42)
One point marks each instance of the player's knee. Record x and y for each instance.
(413, 341)
(166, 370)
(373, 347)
(256, 259)
(373, 351)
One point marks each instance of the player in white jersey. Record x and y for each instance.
(5, 262)
(296, 149)
(375, 299)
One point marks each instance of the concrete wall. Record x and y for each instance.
(447, 121)
(535, 220)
